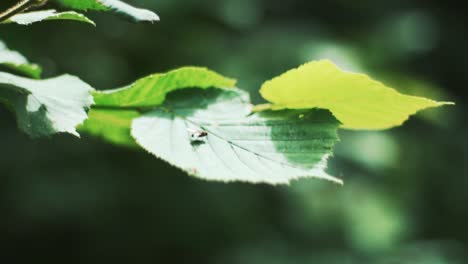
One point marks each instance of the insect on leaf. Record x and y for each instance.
(272, 147)
(111, 117)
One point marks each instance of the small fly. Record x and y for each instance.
(197, 136)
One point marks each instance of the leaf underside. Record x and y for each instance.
(134, 13)
(193, 118)
(115, 109)
(13, 60)
(45, 107)
(272, 147)
(356, 100)
(44, 15)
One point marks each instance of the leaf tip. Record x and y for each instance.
(445, 103)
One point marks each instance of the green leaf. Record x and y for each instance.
(152, 90)
(84, 4)
(45, 107)
(111, 117)
(137, 14)
(17, 62)
(112, 125)
(44, 15)
(356, 100)
(210, 134)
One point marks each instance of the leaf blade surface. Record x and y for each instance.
(272, 147)
(29, 18)
(14, 60)
(46, 107)
(354, 99)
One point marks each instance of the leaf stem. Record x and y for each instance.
(20, 7)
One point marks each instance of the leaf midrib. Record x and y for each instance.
(235, 144)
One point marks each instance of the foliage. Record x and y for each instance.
(45, 107)
(38, 16)
(120, 7)
(17, 62)
(355, 99)
(196, 119)
(270, 147)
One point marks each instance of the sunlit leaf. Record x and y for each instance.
(415, 86)
(152, 90)
(210, 134)
(111, 117)
(356, 100)
(137, 14)
(84, 4)
(44, 15)
(45, 107)
(111, 124)
(17, 62)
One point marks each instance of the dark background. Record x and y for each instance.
(70, 200)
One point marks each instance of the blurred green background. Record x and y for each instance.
(405, 197)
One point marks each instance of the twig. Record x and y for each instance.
(20, 7)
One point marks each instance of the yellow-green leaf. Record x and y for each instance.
(356, 100)
(111, 124)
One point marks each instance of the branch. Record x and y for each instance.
(20, 7)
